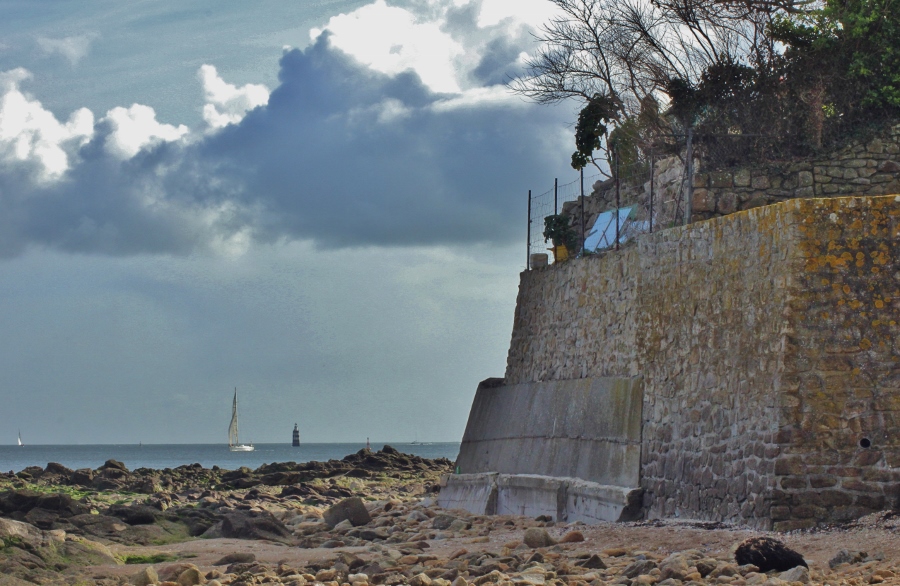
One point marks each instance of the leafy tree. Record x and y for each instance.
(591, 129)
(754, 78)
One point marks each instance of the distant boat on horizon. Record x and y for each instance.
(416, 442)
(20, 439)
(234, 443)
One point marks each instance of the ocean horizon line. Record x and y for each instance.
(161, 456)
(374, 444)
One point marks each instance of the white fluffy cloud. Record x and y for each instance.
(529, 12)
(392, 40)
(135, 128)
(226, 103)
(31, 134)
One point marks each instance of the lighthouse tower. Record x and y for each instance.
(296, 441)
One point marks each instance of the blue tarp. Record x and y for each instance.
(603, 233)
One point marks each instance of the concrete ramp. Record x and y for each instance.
(567, 449)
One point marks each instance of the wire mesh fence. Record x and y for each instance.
(607, 209)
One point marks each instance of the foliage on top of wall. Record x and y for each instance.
(754, 80)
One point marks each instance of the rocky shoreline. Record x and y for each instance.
(370, 519)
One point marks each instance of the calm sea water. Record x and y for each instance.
(161, 456)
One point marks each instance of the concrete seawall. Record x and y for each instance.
(567, 449)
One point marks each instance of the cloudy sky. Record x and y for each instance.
(320, 203)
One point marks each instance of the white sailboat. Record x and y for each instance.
(234, 443)
(20, 438)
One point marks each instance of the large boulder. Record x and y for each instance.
(350, 509)
(113, 465)
(16, 532)
(280, 478)
(256, 526)
(82, 477)
(538, 537)
(62, 503)
(60, 472)
(19, 500)
(145, 577)
(134, 514)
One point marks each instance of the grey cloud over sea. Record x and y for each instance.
(342, 155)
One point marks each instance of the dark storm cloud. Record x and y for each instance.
(341, 155)
(332, 158)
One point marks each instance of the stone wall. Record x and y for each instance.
(765, 343)
(870, 167)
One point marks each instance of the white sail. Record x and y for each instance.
(234, 443)
(20, 439)
(233, 428)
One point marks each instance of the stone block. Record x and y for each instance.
(755, 202)
(790, 466)
(822, 481)
(720, 179)
(793, 482)
(793, 525)
(871, 501)
(830, 498)
(704, 200)
(806, 512)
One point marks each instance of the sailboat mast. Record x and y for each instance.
(233, 428)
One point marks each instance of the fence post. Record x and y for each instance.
(555, 196)
(652, 171)
(528, 258)
(689, 203)
(582, 210)
(616, 155)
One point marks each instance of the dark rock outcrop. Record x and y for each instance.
(768, 554)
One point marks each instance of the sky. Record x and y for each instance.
(319, 203)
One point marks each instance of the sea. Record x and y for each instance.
(161, 456)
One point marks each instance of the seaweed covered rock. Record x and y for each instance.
(768, 554)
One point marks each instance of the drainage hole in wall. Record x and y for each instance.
(865, 443)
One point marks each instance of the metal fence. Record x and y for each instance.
(607, 209)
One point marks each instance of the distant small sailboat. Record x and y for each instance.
(234, 443)
(20, 438)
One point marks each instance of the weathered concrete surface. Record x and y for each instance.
(476, 493)
(586, 428)
(570, 450)
(562, 499)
